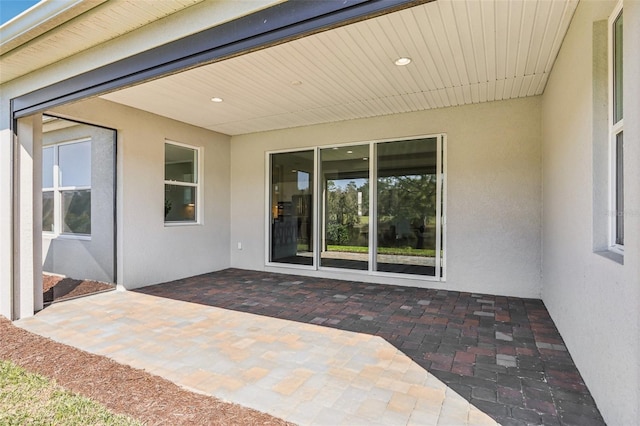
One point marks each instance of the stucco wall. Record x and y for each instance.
(93, 258)
(494, 191)
(148, 251)
(593, 300)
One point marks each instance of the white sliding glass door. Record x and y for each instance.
(380, 207)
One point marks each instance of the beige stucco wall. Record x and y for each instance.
(593, 300)
(493, 198)
(148, 251)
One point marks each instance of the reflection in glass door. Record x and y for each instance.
(291, 208)
(345, 207)
(408, 207)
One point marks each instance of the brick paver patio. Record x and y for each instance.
(304, 373)
(502, 354)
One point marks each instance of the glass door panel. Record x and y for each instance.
(407, 207)
(292, 208)
(345, 207)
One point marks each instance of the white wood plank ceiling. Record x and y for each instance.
(462, 51)
(101, 22)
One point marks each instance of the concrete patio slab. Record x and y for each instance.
(304, 373)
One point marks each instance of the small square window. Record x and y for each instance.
(74, 164)
(76, 212)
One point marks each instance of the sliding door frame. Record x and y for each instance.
(319, 199)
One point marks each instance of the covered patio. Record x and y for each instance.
(432, 152)
(322, 351)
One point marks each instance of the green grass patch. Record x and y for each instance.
(398, 251)
(31, 399)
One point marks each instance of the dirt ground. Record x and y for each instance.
(125, 390)
(57, 288)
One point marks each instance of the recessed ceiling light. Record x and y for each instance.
(216, 100)
(335, 147)
(365, 158)
(402, 61)
(349, 152)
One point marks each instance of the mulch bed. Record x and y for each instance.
(57, 288)
(123, 389)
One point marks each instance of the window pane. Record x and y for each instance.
(617, 69)
(76, 212)
(619, 190)
(47, 211)
(179, 203)
(47, 167)
(180, 163)
(345, 216)
(74, 162)
(407, 189)
(292, 208)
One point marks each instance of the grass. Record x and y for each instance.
(27, 398)
(398, 251)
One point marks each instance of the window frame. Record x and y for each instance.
(58, 189)
(616, 128)
(197, 185)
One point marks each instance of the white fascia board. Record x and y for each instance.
(39, 19)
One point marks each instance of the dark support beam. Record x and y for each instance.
(278, 24)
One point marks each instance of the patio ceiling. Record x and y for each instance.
(462, 52)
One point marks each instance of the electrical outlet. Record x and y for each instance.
(239, 245)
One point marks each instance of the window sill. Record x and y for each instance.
(616, 257)
(50, 236)
(172, 224)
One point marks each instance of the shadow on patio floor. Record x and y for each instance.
(502, 354)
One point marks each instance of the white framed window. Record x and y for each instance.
(616, 132)
(66, 188)
(181, 183)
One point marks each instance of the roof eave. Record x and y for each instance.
(39, 19)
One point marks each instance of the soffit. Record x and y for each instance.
(463, 52)
(98, 22)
